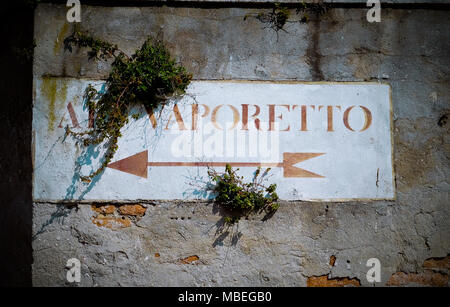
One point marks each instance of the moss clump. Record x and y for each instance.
(243, 198)
(281, 15)
(276, 19)
(149, 77)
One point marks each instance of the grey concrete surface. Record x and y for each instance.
(184, 244)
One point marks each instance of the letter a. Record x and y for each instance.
(374, 14)
(374, 273)
(74, 13)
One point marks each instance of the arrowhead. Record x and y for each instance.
(135, 165)
(290, 159)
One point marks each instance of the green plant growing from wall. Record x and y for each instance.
(276, 19)
(305, 10)
(243, 198)
(149, 77)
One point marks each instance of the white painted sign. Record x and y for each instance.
(322, 141)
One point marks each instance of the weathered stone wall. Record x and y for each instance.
(185, 244)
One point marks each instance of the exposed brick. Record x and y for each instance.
(189, 260)
(332, 260)
(111, 222)
(427, 278)
(437, 263)
(103, 209)
(133, 210)
(324, 281)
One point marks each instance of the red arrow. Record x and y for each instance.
(138, 165)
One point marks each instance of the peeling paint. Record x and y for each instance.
(190, 259)
(437, 263)
(325, 281)
(112, 222)
(104, 209)
(427, 278)
(133, 210)
(332, 260)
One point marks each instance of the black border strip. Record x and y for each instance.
(219, 4)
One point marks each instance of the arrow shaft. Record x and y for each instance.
(138, 164)
(214, 164)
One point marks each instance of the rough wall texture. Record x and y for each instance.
(314, 244)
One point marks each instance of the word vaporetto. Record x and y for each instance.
(356, 118)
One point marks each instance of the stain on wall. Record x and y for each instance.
(54, 91)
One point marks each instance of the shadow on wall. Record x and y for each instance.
(16, 28)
